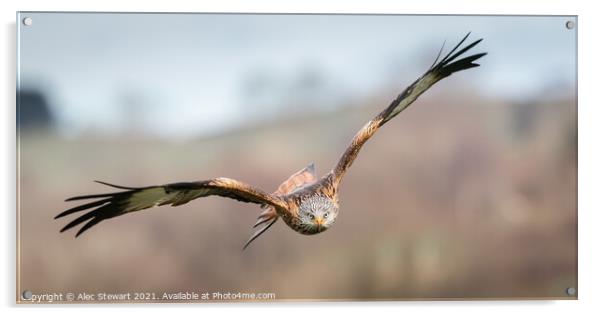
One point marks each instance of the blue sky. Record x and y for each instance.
(195, 74)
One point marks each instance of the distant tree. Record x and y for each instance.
(33, 110)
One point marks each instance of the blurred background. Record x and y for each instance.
(470, 193)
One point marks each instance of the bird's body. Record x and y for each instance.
(306, 203)
(312, 208)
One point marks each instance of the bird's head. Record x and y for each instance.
(316, 214)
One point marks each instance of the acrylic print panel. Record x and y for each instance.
(469, 193)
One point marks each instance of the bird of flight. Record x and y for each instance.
(306, 203)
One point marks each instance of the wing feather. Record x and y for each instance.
(439, 70)
(136, 199)
(297, 180)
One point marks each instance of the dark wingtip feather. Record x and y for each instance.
(96, 196)
(92, 196)
(93, 217)
(449, 64)
(96, 211)
(89, 225)
(462, 64)
(460, 52)
(115, 185)
(454, 49)
(438, 55)
(82, 207)
(80, 220)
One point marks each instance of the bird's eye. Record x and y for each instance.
(325, 215)
(311, 216)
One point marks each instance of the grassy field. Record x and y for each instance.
(457, 197)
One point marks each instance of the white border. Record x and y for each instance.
(590, 157)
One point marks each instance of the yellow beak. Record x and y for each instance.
(319, 221)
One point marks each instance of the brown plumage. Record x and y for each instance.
(305, 203)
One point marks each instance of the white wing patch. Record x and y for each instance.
(137, 199)
(422, 85)
(148, 198)
(157, 196)
(187, 196)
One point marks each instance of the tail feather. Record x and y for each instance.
(267, 214)
(266, 218)
(267, 224)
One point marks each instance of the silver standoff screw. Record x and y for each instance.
(570, 25)
(27, 21)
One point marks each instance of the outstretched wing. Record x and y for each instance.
(439, 70)
(109, 205)
(297, 180)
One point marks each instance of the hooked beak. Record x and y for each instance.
(319, 221)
